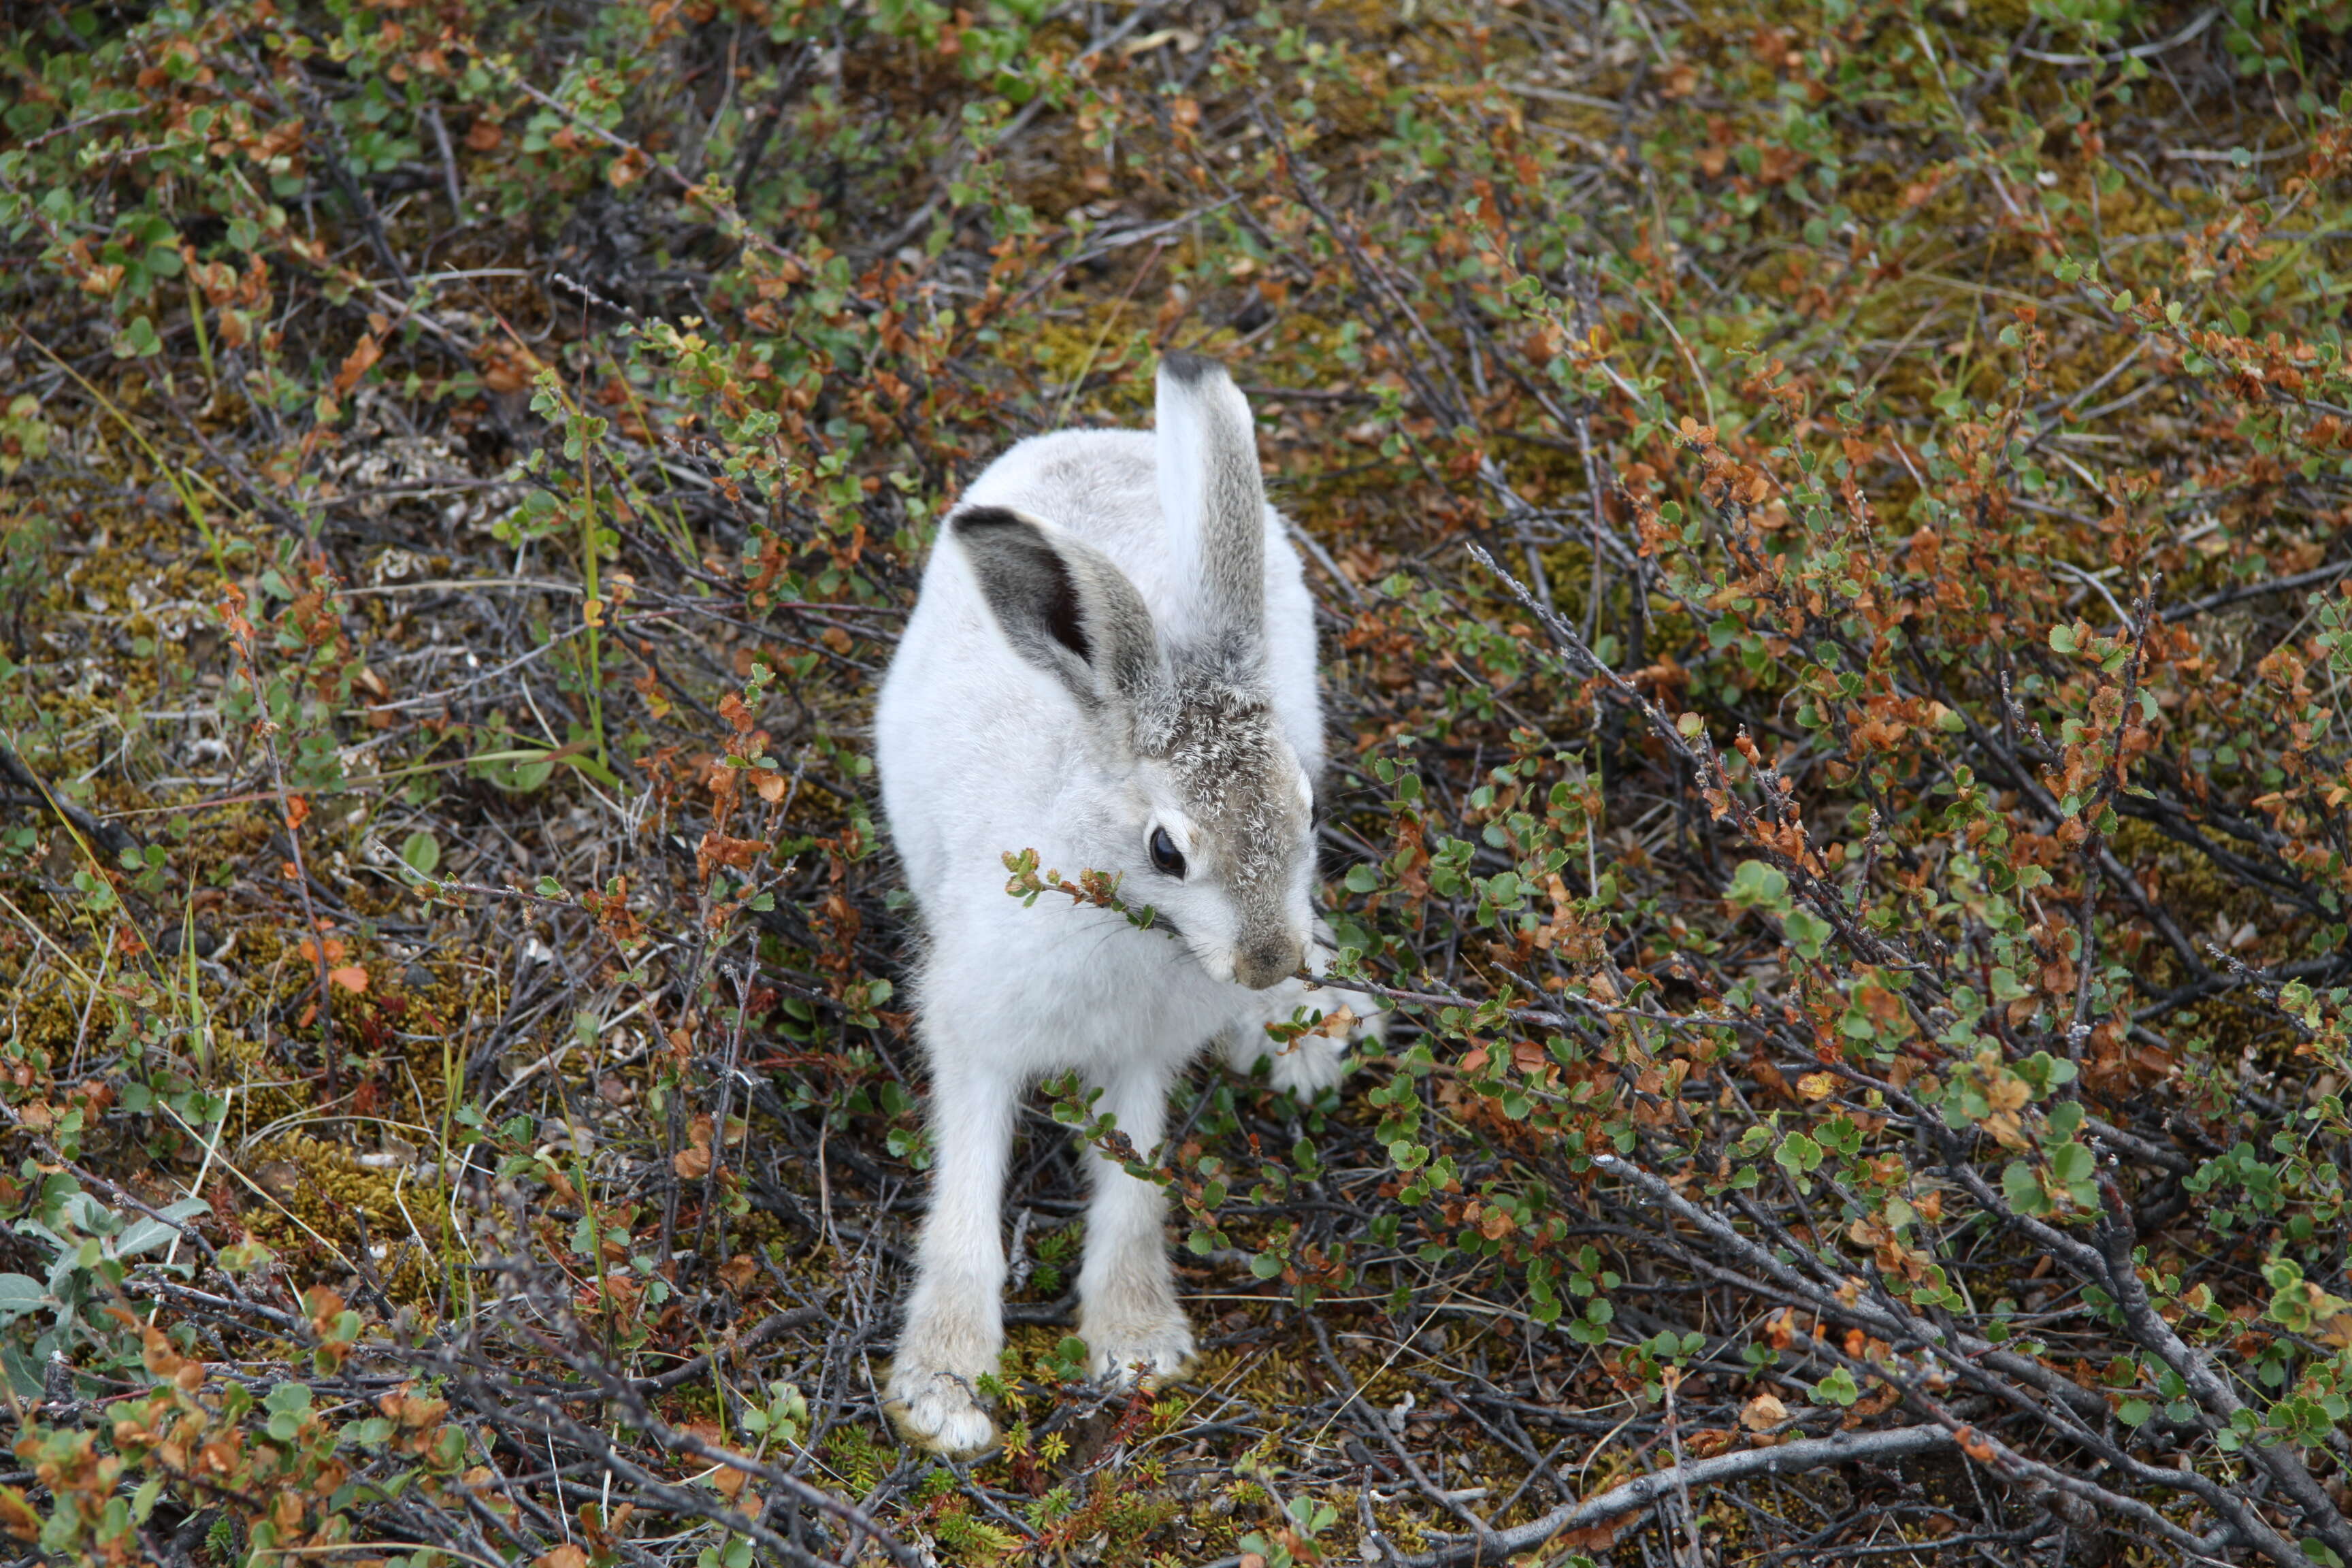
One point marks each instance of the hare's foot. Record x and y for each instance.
(1149, 1345)
(1307, 1064)
(933, 1394)
(938, 1409)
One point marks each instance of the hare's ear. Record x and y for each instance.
(1213, 497)
(1062, 606)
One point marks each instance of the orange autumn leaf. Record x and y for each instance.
(357, 364)
(1598, 1537)
(694, 1162)
(17, 1517)
(717, 849)
(351, 977)
(552, 1174)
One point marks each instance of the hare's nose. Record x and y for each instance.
(1261, 964)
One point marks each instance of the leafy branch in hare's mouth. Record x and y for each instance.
(1099, 889)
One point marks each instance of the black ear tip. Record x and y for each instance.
(1189, 368)
(978, 519)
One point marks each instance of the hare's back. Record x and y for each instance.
(955, 682)
(1101, 485)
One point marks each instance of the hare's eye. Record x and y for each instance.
(1166, 858)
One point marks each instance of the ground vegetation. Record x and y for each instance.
(1830, 527)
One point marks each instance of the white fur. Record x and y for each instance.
(1181, 447)
(982, 752)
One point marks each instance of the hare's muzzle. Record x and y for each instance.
(1261, 964)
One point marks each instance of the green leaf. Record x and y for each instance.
(20, 1294)
(1799, 1153)
(1806, 932)
(1838, 1388)
(2062, 639)
(2072, 1163)
(2043, 1071)
(2023, 1191)
(146, 1234)
(422, 851)
(138, 340)
(24, 1376)
(1756, 885)
(289, 1404)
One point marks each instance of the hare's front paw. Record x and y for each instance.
(1311, 1063)
(936, 1409)
(1306, 1066)
(1153, 1347)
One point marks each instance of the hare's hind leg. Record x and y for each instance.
(954, 1328)
(1127, 1292)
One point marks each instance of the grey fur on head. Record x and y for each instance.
(1068, 610)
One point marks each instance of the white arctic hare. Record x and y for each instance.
(1112, 662)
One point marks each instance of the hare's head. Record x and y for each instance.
(1183, 784)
